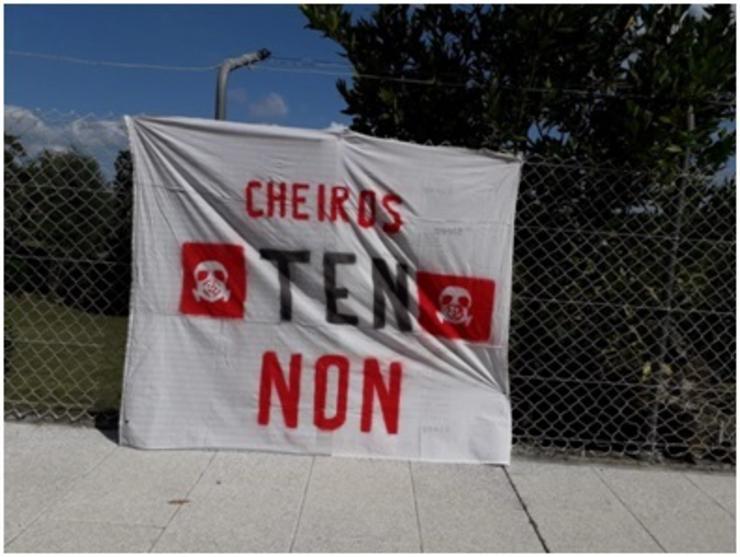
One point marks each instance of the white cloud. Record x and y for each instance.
(238, 95)
(39, 131)
(336, 127)
(270, 107)
(101, 138)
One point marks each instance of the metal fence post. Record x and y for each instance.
(671, 286)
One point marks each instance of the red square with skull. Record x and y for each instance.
(456, 307)
(214, 280)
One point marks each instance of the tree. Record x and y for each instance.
(57, 222)
(25, 268)
(16, 270)
(15, 175)
(117, 273)
(609, 89)
(68, 213)
(14, 155)
(98, 275)
(597, 82)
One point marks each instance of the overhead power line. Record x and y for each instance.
(130, 65)
(622, 93)
(350, 73)
(286, 64)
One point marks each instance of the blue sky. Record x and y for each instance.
(184, 35)
(179, 35)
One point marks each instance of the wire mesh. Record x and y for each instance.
(623, 320)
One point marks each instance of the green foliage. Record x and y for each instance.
(594, 354)
(14, 153)
(117, 275)
(66, 229)
(591, 81)
(62, 207)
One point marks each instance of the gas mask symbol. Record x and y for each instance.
(455, 303)
(210, 282)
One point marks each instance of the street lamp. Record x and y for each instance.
(223, 76)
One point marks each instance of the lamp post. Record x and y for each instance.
(226, 67)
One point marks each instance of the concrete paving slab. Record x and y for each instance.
(679, 515)
(244, 503)
(718, 486)
(575, 511)
(42, 463)
(51, 536)
(16, 434)
(133, 487)
(23, 436)
(358, 505)
(470, 508)
(66, 436)
(73, 489)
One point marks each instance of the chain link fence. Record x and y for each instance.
(623, 319)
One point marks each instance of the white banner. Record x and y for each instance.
(318, 292)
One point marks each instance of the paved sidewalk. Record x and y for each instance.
(74, 489)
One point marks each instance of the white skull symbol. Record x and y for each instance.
(210, 282)
(454, 305)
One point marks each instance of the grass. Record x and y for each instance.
(60, 360)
